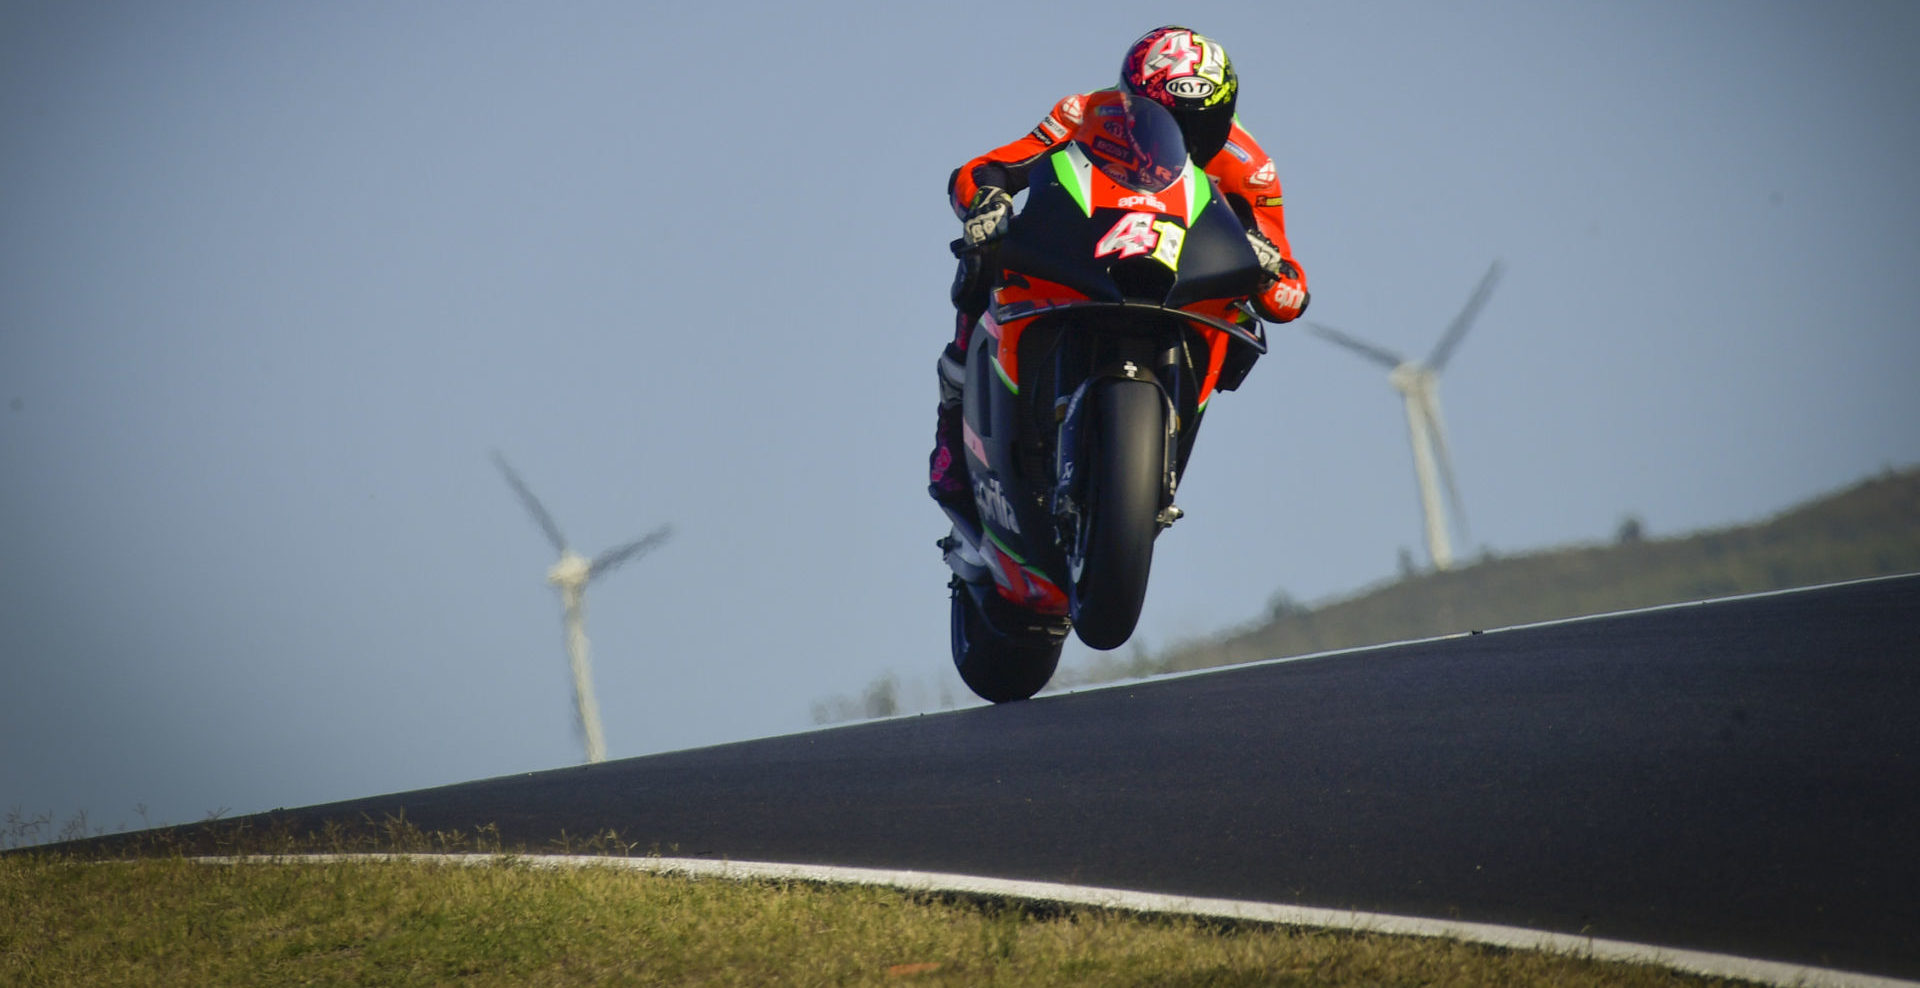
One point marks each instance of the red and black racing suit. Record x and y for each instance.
(1246, 178)
(1243, 172)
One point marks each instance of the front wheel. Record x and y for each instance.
(1113, 550)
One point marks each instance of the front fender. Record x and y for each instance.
(1070, 447)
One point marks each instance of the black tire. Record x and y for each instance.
(1126, 460)
(1006, 659)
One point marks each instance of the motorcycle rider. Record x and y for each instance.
(1189, 74)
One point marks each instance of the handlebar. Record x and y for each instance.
(1254, 339)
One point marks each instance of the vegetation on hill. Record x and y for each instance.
(1867, 530)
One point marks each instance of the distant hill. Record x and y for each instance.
(1869, 529)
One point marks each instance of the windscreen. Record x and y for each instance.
(1135, 141)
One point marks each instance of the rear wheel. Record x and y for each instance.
(1002, 653)
(1114, 547)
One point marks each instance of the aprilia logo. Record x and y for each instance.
(993, 503)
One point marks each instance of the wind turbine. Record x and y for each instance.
(1419, 385)
(571, 575)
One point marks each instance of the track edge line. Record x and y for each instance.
(1780, 973)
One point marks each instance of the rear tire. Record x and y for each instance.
(1002, 653)
(1128, 455)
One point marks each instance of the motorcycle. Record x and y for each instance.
(1115, 307)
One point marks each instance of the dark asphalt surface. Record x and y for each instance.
(1740, 777)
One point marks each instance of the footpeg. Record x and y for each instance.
(965, 558)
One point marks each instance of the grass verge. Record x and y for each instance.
(170, 920)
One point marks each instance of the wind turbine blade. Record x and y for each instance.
(1445, 457)
(533, 503)
(1463, 321)
(612, 558)
(1377, 354)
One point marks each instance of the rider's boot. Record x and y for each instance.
(948, 480)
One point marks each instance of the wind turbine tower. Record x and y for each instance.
(571, 575)
(1419, 385)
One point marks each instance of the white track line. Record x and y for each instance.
(1511, 937)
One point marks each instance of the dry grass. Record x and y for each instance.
(169, 921)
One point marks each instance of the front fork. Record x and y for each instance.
(1069, 492)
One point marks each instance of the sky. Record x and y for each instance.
(276, 278)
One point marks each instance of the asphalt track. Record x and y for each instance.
(1739, 777)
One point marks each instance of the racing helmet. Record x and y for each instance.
(1189, 74)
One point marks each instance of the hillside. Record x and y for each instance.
(1869, 529)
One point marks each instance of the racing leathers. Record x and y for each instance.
(980, 194)
(1244, 173)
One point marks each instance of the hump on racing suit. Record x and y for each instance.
(1243, 171)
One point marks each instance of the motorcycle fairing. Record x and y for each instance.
(1008, 516)
(978, 556)
(1047, 266)
(1075, 172)
(1086, 259)
(1022, 584)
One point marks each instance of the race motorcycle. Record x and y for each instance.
(1113, 309)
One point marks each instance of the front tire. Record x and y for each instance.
(1114, 550)
(1002, 653)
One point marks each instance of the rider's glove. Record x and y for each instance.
(1270, 260)
(986, 219)
(1282, 301)
(1285, 296)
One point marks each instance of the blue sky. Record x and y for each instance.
(275, 278)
